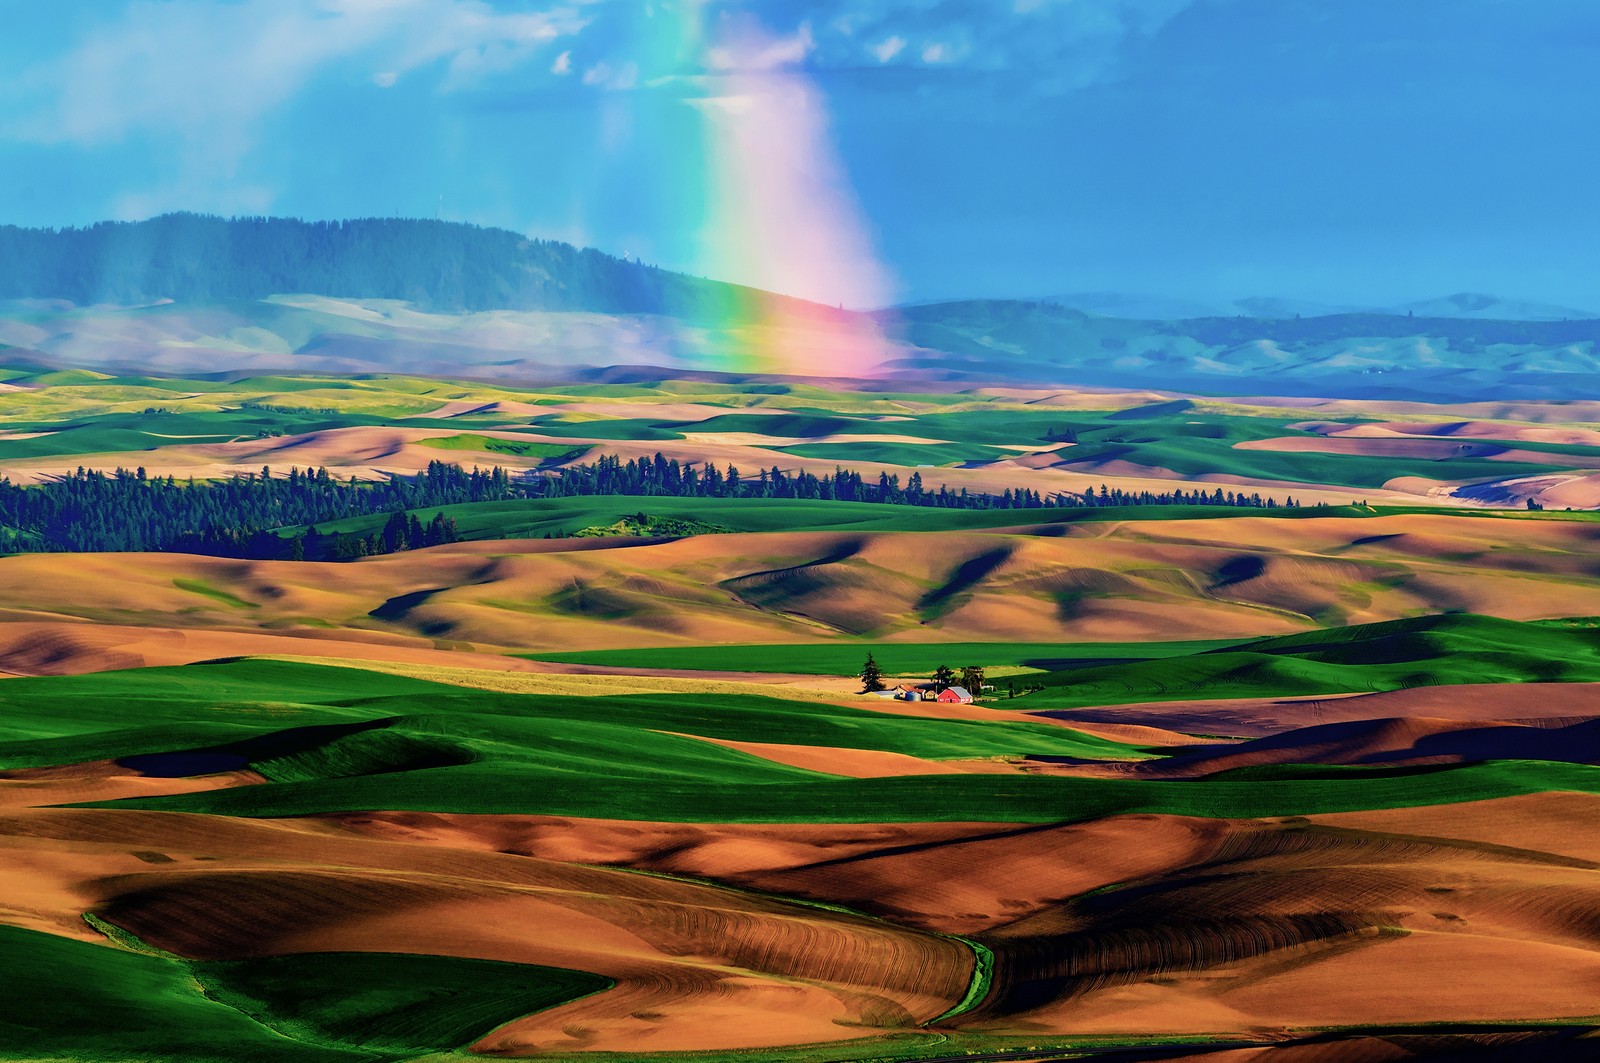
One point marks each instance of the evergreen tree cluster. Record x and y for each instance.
(91, 511)
(610, 475)
(402, 531)
(127, 510)
(1178, 497)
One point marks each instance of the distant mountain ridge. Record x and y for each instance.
(1352, 355)
(1476, 305)
(1462, 305)
(186, 293)
(434, 265)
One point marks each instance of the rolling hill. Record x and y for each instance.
(187, 293)
(1361, 355)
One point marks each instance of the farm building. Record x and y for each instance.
(957, 694)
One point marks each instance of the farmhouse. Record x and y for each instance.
(955, 694)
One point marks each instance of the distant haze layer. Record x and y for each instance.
(183, 293)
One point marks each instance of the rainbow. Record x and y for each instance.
(754, 174)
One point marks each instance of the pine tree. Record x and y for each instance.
(943, 677)
(871, 676)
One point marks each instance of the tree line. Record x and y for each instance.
(972, 678)
(91, 511)
(440, 265)
(610, 475)
(243, 515)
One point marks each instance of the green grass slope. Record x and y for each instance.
(399, 1003)
(1423, 651)
(471, 441)
(336, 739)
(71, 1000)
(718, 794)
(68, 1000)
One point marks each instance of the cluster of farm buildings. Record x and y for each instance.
(928, 692)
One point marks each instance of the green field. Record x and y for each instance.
(331, 739)
(910, 455)
(118, 432)
(599, 428)
(1425, 651)
(516, 447)
(1191, 442)
(82, 412)
(81, 1001)
(538, 518)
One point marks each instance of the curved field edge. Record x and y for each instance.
(982, 981)
(978, 985)
(334, 1007)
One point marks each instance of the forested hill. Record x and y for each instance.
(437, 265)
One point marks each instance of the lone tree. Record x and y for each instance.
(943, 677)
(871, 676)
(972, 679)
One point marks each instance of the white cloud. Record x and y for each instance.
(199, 78)
(888, 48)
(749, 49)
(618, 77)
(202, 69)
(1056, 45)
(563, 64)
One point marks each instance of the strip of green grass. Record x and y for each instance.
(490, 444)
(603, 428)
(482, 788)
(537, 518)
(894, 453)
(216, 594)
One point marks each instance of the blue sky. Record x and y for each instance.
(1336, 150)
